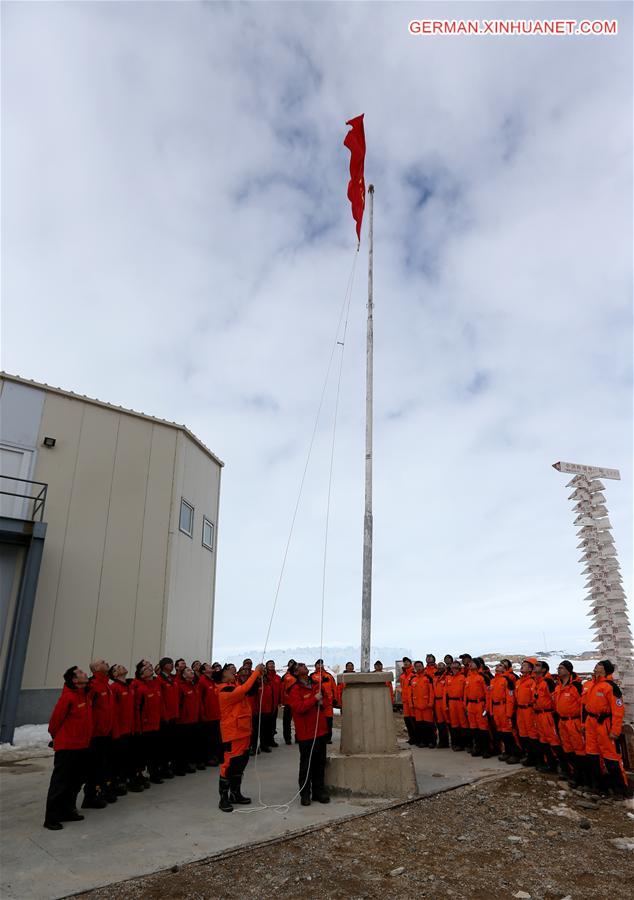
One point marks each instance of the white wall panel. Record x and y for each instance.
(151, 593)
(117, 599)
(192, 566)
(61, 418)
(82, 557)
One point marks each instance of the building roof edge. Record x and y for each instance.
(29, 382)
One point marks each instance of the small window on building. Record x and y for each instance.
(186, 523)
(208, 533)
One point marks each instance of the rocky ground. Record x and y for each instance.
(523, 836)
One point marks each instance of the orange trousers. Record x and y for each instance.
(571, 736)
(598, 742)
(501, 721)
(526, 722)
(456, 715)
(475, 718)
(236, 757)
(546, 731)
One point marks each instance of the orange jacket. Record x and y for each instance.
(100, 698)
(308, 715)
(288, 681)
(604, 701)
(188, 703)
(276, 682)
(123, 709)
(440, 683)
(454, 688)
(235, 709)
(475, 688)
(266, 691)
(328, 689)
(71, 721)
(525, 691)
(501, 696)
(147, 705)
(209, 706)
(406, 689)
(542, 696)
(567, 700)
(422, 688)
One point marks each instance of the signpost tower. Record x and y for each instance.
(604, 581)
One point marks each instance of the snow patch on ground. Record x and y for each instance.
(28, 741)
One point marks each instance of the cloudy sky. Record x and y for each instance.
(177, 240)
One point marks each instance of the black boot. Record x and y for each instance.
(511, 749)
(577, 765)
(544, 764)
(617, 786)
(320, 795)
(236, 796)
(93, 801)
(72, 816)
(225, 803)
(535, 752)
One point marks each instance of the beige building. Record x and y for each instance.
(128, 567)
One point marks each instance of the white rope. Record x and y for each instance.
(345, 310)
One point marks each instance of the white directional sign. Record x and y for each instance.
(592, 471)
(584, 520)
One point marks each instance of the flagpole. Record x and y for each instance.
(366, 594)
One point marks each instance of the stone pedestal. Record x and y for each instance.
(369, 762)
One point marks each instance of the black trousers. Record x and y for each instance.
(149, 752)
(99, 765)
(329, 724)
(256, 732)
(186, 741)
(209, 743)
(287, 718)
(167, 744)
(312, 766)
(70, 768)
(443, 734)
(122, 758)
(267, 729)
(410, 724)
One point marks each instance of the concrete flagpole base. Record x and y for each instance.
(369, 762)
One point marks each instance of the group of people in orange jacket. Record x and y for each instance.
(113, 734)
(557, 723)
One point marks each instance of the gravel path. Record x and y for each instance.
(523, 836)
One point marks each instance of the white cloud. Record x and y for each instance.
(175, 224)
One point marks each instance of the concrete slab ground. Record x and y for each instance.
(173, 823)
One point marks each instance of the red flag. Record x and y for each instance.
(355, 142)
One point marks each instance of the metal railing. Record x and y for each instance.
(28, 495)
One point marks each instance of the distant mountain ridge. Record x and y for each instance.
(339, 656)
(333, 656)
